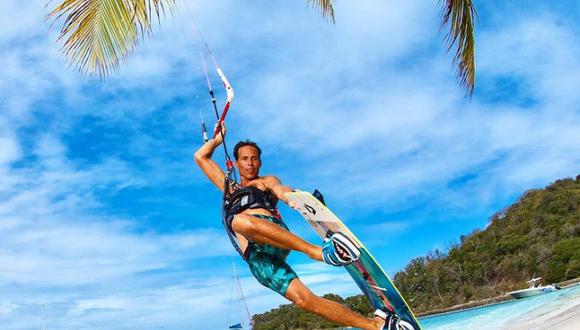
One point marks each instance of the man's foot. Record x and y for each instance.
(338, 250)
(390, 321)
(379, 323)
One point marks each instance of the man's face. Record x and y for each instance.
(248, 162)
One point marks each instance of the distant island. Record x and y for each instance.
(539, 234)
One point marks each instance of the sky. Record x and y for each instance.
(106, 223)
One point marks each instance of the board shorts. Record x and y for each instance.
(268, 263)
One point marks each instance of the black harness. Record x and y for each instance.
(249, 198)
(242, 199)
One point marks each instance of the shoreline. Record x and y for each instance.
(485, 302)
(467, 306)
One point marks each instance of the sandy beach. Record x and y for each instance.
(555, 310)
(562, 314)
(566, 318)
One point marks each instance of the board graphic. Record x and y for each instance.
(366, 272)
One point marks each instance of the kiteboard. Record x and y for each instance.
(366, 272)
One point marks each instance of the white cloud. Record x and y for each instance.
(6, 308)
(543, 53)
(21, 18)
(58, 248)
(9, 150)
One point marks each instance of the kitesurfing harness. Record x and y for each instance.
(249, 198)
(241, 199)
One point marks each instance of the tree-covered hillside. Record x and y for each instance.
(288, 317)
(539, 234)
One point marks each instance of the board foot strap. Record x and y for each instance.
(330, 250)
(393, 322)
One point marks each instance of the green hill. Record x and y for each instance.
(539, 234)
(288, 317)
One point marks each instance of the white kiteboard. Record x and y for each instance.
(366, 272)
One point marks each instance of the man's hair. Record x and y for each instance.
(246, 143)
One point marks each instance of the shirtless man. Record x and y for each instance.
(264, 241)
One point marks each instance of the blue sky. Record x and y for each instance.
(105, 220)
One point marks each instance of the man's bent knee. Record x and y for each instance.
(302, 299)
(243, 223)
(303, 302)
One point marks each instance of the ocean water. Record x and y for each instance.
(508, 314)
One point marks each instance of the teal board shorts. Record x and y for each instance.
(268, 263)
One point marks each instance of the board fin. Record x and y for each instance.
(319, 196)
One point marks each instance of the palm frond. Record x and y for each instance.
(325, 7)
(98, 34)
(460, 15)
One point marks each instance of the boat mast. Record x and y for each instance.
(242, 298)
(43, 317)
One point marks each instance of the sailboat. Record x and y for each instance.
(243, 316)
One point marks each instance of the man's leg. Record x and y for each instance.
(262, 231)
(300, 295)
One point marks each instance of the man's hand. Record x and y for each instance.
(203, 159)
(219, 137)
(293, 204)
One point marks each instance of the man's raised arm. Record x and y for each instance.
(209, 167)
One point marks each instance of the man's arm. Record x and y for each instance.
(209, 167)
(276, 187)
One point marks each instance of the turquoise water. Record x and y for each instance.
(507, 314)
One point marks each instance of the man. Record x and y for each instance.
(264, 241)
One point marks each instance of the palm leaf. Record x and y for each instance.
(325, 7)
(460, 15)
(98, 34)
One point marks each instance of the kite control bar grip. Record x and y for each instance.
(218, 127)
